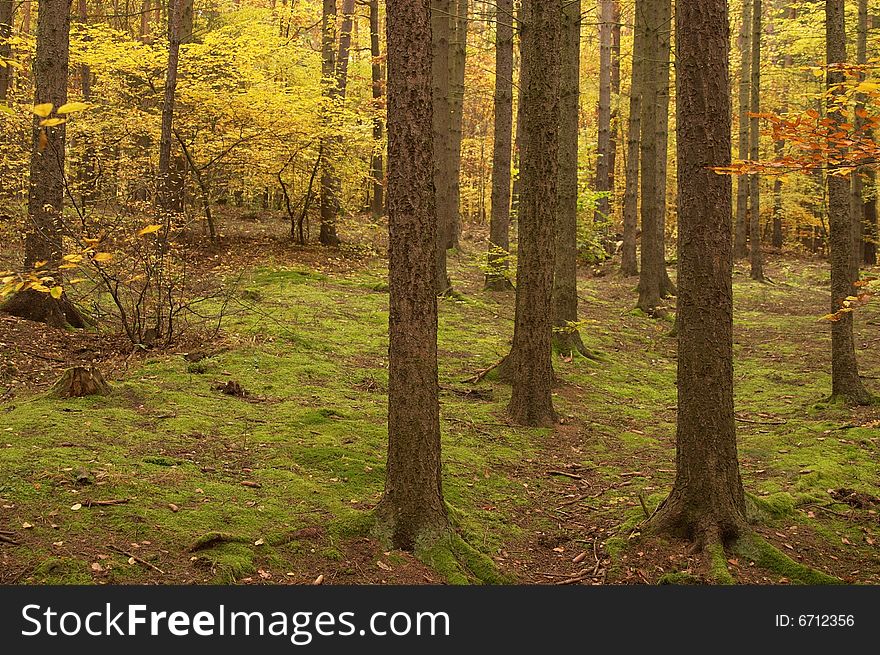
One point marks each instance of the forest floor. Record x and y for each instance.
(169, 480)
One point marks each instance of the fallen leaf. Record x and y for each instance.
(318, 580)
(27, 526)
(259, 542)
(382, 565)
(76, 506)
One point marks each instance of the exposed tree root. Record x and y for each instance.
(41, 307)
(569, 342)
(212, 539)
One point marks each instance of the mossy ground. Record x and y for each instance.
(289, 473)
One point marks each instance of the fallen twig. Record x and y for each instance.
(9, 540)
(644, 507)
(104, 503)
(136, 559)
(747, 420)
(483, 373)
(573, 476)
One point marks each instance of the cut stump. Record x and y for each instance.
(81, 381)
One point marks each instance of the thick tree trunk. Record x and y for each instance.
(531, 364)
(44, 237)
(603, 149)
(629, 262)
(499, 224)
(566, 337)
(377, 168)
(740, 248)
(457, 63)
(756, 255)
(845, 381)
(7, 11)
(412, 508)
(654, 283)
(707, 502)
(441, 25)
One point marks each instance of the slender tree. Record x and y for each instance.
(441, 17)
(566, 337)
(740, 249)
(530, 364)
(845, 381)
(629, 261)
(412, 508)
(654, 282)
(615, 98)
(377, 167)
(7, 12)
(499, 224)
(858, 177)
(603, 149)
(44, 237)
(707, 501)
(457, 64)
(756, 255)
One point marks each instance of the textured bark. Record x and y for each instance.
(7, 11)
(654, 283)
(615, 100)
(81, 381)
(629, 261)
(740, 249)
(412, 507)
(499, 223)
(457, 63)
(858, 182)
(335, 71)
(441, 11)
(566, 338)
(845, 380)
(531, 365)
(603, 148)
(43, 240)
(377, 166)
(88, 174)
(756, 255)
(707, 501)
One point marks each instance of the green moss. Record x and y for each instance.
(61, 571)
(767, 556)
(717, 560)
(459, 562)
(679, 578)
(770, 507)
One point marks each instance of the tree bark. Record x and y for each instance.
(603, 148)
(654, 283)
(44, 237)
(707, 501)
(615, 100)
(858, 181)
(740, 249)
(166, 185)
(629, 261)
(412, 508)
(457, 63)
(531, 365)
(441, 17)
(499, 224)
(377, 167)
(756, 255)
(845, 381)
(335, 70)
(566, 337)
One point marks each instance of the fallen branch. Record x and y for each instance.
(483, 373)
(136, 559)
(746, 420)
(9, 540)
(104, 503)
(573, 476)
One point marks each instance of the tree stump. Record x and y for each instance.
(81, 381)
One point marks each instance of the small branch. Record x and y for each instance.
(483, 373)
(746, 420)
(573, 476)
(104, 503)
(136, 559)
(8, 540)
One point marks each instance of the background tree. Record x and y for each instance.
(377, 172)
(531, 367)
(166, 185)
(7, 11)
(412, 506)
(457, 63)
(756, 256)
(740, 249)
(629, 261)
(499, 226)
(441, 33)
(604, 162)
(45, 229)
(845, 381)
(707, 501)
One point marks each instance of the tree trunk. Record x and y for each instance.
(441, 11)
(756, 255)
(629, 261)
(845, 381)
(531, 364)
(566, 337)
(43, 240)
(499, 224)
(654, 283)
(335, 70)
(7, 11)
(615, 101)
(603, 149)
(412, 508)
(740, 248)
(81, 381)
(457, 63)
(377, 168)
(858, 176)
(707, 501)
(166, 185)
